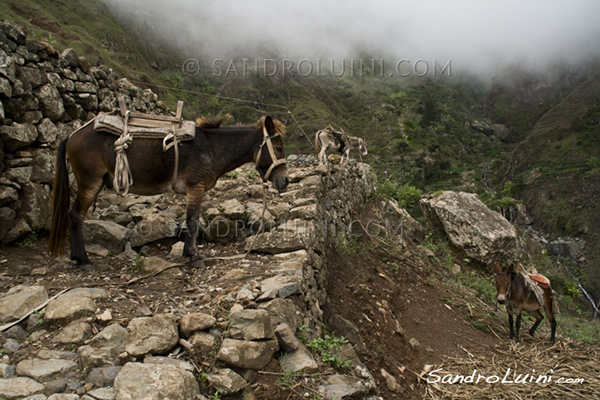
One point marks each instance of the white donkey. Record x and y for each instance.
(337, 141)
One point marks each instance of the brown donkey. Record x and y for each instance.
(214, 151)
(513, 291)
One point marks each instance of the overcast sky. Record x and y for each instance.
(480, 36)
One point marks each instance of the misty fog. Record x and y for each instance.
(477, 36)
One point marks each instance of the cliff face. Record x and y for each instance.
(44, 96)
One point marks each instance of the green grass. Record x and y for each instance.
(326, 346)
(581, 329)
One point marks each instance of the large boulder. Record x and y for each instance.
(484, 235)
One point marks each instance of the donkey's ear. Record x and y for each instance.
(269, 125)
(511, 268)
(497, 268)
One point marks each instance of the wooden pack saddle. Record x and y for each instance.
(129, 125)
(147, 126)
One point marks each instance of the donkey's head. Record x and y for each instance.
(503, 278)
(362, 146)
(270, 155)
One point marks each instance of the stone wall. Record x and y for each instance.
(323, 204)
(44, 96)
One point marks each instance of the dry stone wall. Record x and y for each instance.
(44, 96)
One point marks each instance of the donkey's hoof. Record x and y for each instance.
(87, 267)
(81, 261)
(197, 263)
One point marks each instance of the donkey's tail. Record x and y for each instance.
(317, 142)
(60, 205)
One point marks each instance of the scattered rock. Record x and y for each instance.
(102, 376)
(20, 387)
(98, 356)
(20, 300)
(44, 370)
(246, 354)
(299, 360)
(74, 333)
(69, 307)
(152, 335)
(250, 325)
(278, 286)
(226, 381)
(288, 342)
(154, 264)
(155, 381)
(106, 233)
(113, 336)
(204, 341)
(342, 386)
(414, 344)
(185, 365)
(390, 381)
(195, 322)
(153, 227)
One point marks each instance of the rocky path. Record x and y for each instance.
(146, 321)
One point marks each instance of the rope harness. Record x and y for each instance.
(123, 178)
(275, 162)
(169, 129)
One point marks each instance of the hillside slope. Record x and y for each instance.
(554, 168)
(424, 134)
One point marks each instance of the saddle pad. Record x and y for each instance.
(113, 124)
(338, 136)
(541, 280)
(535, 287)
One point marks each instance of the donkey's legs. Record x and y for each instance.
(347, 154)
(86, 194)
(193, 200)
(552, 326)
(538, 318)
(510, 322)
(550, 312)
(322, 155)
(518, 325)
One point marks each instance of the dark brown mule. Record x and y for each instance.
(513, 291)
(214, 151)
